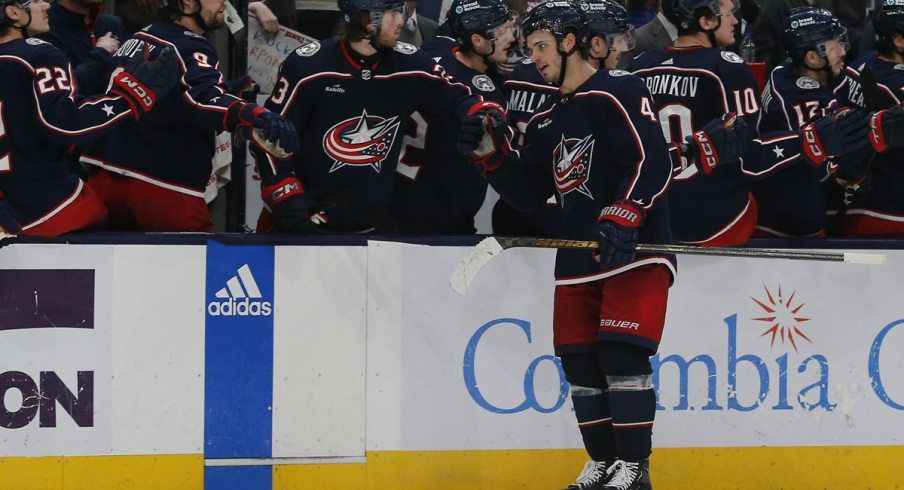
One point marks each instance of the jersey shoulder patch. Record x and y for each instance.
(405, 48)
(308, 49)
(731, 57)
(35, 41)
(527, 61)
(192, 34)
(899, 66)
(807, 83)
(483, 83)
(618, 73)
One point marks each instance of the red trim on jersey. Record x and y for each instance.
(82, 210)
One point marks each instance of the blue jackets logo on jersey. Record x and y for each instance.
(360, 141)
(572, 159)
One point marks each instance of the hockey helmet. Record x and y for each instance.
(483, 17)
(4, 3)
(556, 17)
(350, 9)
(809, 29)
(888, 20)
(683, 13)
(607, 19)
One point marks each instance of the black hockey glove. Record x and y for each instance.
(887, 129)
(722, 140)
(143, 81)
(243, 87)
(289, 205)
(485, 136)
(270, 132)
(619, 228)
(9, 223)
(831, 136)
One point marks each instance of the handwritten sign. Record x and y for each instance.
(267, 51)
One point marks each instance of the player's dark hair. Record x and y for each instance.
(354, 31)
(702, 12)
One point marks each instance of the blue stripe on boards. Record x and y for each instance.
(238, 478)
(239, 352)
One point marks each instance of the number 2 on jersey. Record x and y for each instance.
(4, 160)
(419, 141)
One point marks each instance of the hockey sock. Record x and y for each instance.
(631, 397)
(591, 407)
(591, 404)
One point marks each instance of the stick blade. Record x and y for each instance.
(468, 268)
(875, 259)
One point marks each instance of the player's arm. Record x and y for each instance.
(633, 135)
(521, 177)
(71, 119)
(281, 190)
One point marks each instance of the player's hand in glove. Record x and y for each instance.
(271, 132)
(143, 81)
(289, 205)
(619, 227)
(243, 87)
(887, 128)
(485, 136)
(9, 222)
(721, 140)
(832, 136)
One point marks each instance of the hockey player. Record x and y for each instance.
(610, 35)
(42, 115)
(794, 202)
(350, 98)
(9, 223)
(152, 173)
(695, 81)
(599, 148)
(878, 205)
(436, 189)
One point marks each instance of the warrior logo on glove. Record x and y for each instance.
(572, 165)
(361, 141)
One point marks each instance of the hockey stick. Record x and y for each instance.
(492, 246)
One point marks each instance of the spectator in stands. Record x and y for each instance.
(658, 32)
(152, 173)
(267, 18)
(417, 29)
(88, 37)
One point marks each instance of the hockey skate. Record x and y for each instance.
(629, 476)
(593, 476)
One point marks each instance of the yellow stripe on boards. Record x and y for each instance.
(161, 472)
(763, 468)
(31, 473)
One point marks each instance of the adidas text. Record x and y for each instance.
(241, 307)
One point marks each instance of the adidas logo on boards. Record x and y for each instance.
(670, 61)
(241, 297)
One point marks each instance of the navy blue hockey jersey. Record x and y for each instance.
(690, 87)
(793, 202)
(527, 93)
(592, 148)
(173, 144)
(437, 191)
(885, 199)
(351, 119)
(41, 115)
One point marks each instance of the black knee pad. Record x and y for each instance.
(620, 359)
(583, 369)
